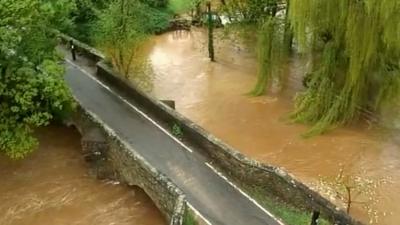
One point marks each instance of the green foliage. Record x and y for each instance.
(274, 38)
(32, 89)
(177, 131)
(250, 11)
(181, 6)
(156, 3)
(121, 30)
(153, 20)
(120, 34)
(351, 72)
(270, 53)
(151, 15)
(189, 219)
(59, 12)
(83, 18)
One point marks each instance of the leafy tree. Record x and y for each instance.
(156, 3)
(122, 29)
(84, 17)
(181, 6)
(32, 89)
(120, 34)
(270, 54)
(59, 13)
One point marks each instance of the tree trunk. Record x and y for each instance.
(210, 34)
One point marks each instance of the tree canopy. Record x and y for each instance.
(32, 89)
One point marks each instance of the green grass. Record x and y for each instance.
(189, 219)
(177, 131)
(288, 214)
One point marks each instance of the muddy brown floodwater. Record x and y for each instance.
(214, 96)
(52, 187)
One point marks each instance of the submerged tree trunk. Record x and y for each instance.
(288, 35)
(210, 24)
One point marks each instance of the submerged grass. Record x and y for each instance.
(288, 214)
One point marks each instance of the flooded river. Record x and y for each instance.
(214, 96)
(52, 187)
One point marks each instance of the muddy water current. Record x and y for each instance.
(214, 96)
(52, 187)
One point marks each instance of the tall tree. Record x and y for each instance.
(122, 28)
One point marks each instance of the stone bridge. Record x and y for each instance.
(126, 136)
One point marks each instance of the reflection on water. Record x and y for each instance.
(213, 95)
(51, 187)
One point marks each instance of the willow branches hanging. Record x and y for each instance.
(356, 47)
(273, 47)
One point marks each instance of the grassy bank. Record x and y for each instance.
(189, 219)
(288, 214)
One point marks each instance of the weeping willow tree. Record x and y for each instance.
(355, 48)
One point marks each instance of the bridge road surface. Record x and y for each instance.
(217, 200)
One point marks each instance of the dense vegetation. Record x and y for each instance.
(119, 28)
(149, 16)
(32, 90)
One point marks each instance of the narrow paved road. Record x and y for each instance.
(209, 193)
